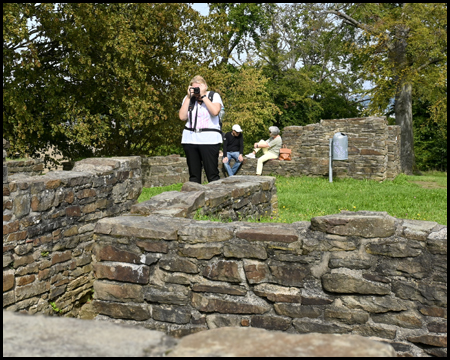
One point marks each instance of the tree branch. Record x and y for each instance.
(434, 61)
(349, 20)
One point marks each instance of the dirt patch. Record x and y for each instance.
(429, 185)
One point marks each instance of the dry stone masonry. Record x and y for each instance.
(48, 223)
(360, 273)
(151, 264)
(234, 198)
(373, 153)
(31, 167)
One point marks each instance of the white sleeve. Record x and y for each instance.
(217, 98)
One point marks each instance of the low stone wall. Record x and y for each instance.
(164, 170)
(373, 148)
(373, 153)
(234, 198)
(48, 224)
(362, 273)
(31, 167)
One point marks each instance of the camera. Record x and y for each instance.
(195, 90)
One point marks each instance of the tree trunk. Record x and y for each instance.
(403, 117)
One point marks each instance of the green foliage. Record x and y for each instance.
(403, 44)
(430, 139)
(54, 307)
(100, 77)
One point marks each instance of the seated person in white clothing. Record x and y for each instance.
(270, 147)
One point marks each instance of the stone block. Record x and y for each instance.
(150, 227)
(178, 264)
(136, 274)
(268, 233)
(112, 253)
(371, 330)
(172, 314)
(110, 291)
(153, 246)
(122, 311)
(73, 211)
(348, 282)
(417, 229)
(43, 201)
(431, 340)
(277, 293)
(270, 322)
(61, 257)
(375, 304)
(21, 205)
(243, 250)
(8, 280)
(406, 319)
(289, 275)
(205, 232)
(30, 290)
(253, 342)
(230, 306)
(368, 224)
(434, 311)
(169, 294)
(345, 316)
(223, 270)
(256, 271)
(297, 310)
(219, 288)
(395, 247)
(201, 251)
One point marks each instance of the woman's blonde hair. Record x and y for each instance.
(199, 80)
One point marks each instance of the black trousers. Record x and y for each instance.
(202, 155)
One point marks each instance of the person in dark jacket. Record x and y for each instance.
(233, 148)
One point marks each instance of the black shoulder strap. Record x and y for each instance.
(211, 95)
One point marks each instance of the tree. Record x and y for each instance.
(236, 24)
(403, 49)
(103, 77)
(308, 67)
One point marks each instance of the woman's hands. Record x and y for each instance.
(203, 90)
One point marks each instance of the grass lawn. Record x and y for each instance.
(302, 198)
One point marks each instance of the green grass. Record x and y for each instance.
(302, 198)
(148, 193)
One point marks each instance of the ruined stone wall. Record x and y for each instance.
(363, 273)
(234, 198)
(48, 224)
(31, 167)
(373, 148)
(373, 153)
(393, 144)
(164, 170)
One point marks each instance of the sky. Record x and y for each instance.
(201, 8)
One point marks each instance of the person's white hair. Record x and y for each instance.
(274, 130)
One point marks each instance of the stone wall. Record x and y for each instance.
(48, 224)
(374, 153)
(373, 148)
(361, 273)
(31, 167)
(234, 198)
(164, 170)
